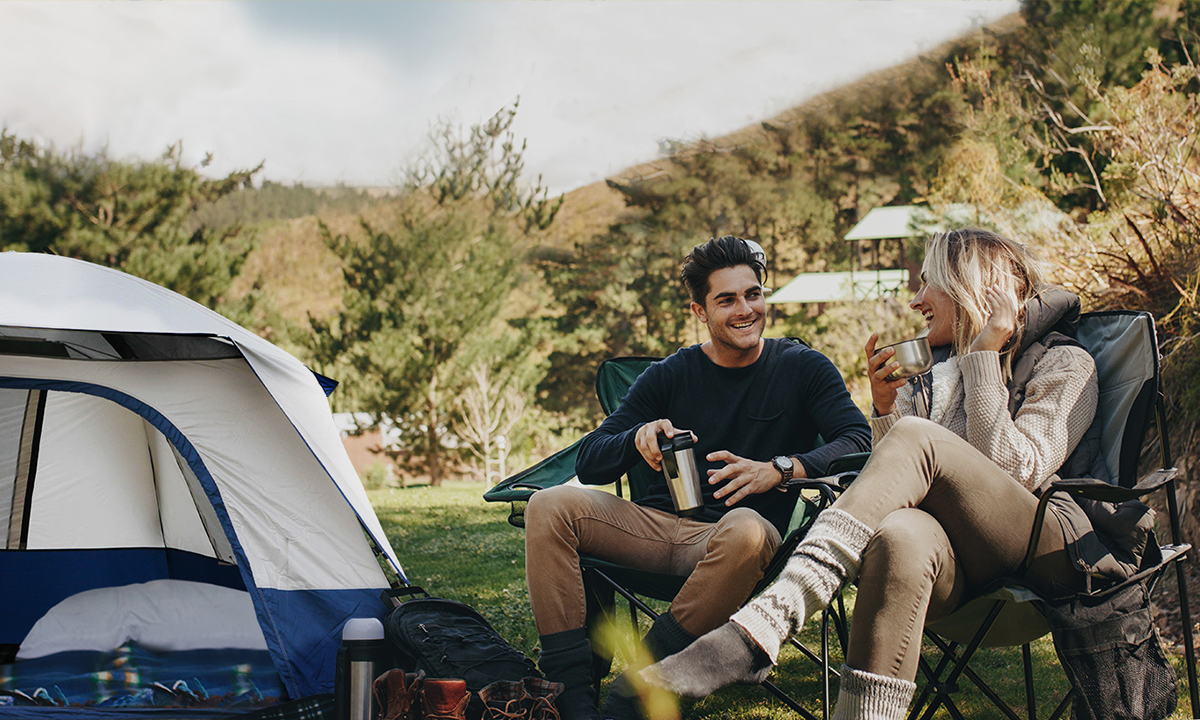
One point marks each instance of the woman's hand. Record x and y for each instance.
(879, 367)
(1001, 323)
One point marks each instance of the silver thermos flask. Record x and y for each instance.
(680, 470)
(360, 660)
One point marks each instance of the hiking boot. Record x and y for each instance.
(397, 694)
(505, 700)
(541, 695)
(444, 699)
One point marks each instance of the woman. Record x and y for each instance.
(945, 504)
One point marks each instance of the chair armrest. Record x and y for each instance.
(1100, 490)
(557, 469)
(827, 486)
(850, 462)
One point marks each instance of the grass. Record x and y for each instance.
(457, 546)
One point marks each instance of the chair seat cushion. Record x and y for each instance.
(1019, 622)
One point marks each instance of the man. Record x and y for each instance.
(755, 408)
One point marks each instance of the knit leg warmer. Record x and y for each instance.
(867, 696)
(829, 557)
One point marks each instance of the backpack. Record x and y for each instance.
(448, 639)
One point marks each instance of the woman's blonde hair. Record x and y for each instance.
(964, 264)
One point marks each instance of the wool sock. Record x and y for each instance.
(867, 696)
(828, 557)
(665, 637)
(722, 657)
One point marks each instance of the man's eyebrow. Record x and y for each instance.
(733, 293)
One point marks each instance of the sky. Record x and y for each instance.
(347, 92)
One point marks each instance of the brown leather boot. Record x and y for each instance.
(541, 695)
(398, 694)
(444, 699)
(505, 700)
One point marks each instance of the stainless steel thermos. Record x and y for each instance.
(680, 470)
(360, 659)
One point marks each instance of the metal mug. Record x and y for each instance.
(680, 470)
(914, 356)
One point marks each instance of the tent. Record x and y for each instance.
(145, 438)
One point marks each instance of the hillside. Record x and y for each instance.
(297, 272)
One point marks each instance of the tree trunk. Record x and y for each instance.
(434, 463)
(433, 440)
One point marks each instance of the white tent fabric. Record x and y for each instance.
(45, 291)
(211, 442)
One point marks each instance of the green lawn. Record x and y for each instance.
(457, 546)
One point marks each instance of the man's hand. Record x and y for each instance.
(646, 440)
(744, 477)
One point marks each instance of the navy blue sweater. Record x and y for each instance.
(777, 406)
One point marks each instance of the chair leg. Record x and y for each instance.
(1189, 649)
(946, 689)
(1030, 701)
(825, 664)
(1063, 706)
(932, 676)
(943, 689)
(601, 610)
(1185, 612)
(839, 623)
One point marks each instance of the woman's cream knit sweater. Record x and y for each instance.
(1060, 401)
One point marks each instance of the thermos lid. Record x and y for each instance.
(362, 629)
(683, 439)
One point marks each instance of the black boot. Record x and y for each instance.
(567, 658)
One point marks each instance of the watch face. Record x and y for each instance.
(784, 462)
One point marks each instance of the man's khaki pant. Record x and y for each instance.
(722, 560)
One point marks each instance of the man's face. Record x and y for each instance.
(734, 309)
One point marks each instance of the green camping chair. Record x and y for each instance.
(1010, 613)
(605, 580)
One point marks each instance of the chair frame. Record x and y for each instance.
(942, 680)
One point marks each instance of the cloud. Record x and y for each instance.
(347, 91)
(139, 77)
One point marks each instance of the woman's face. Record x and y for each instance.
(938, 309)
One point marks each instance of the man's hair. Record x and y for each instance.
(724, 252)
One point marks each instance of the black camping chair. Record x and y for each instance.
(604, 580)
(1009, 613)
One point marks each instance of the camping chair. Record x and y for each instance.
(604, 580)
(1009, 613)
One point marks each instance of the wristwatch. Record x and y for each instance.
(785, 465)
